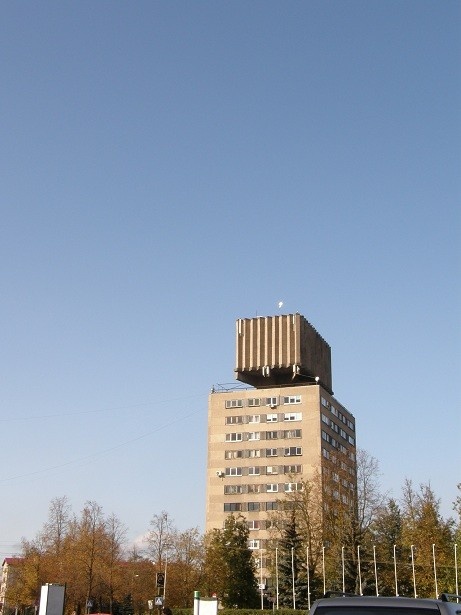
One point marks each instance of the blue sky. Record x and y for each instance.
(169, 167)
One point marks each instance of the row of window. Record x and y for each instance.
(339, 430)
(255, 402)
(258, 506)
(267, 488)
(263, 435)
(344, 466)
(258, 470)
(334, 442)
(263, 418)
(287, 451)
(258, 488)
(326, 404)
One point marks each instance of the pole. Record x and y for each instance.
(261, 577)
(435, 572)
(323, 570)
(456, 572)
(277, 577)
(376, 570)
(413, 568)
(293, 575)
(308, 581)
(359, 569)
(395, 573)
(344, 575)
(164, 580)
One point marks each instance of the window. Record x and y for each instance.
(271, 452)
(326, 453)
(272, 435)
(272, 487)
(271, 505)
(293, 451)
(293, 399)
(343, 434)
(292, 416)
(253, 544)
(292, 469)
(272, 470)
(233, 454)
(351, 440)
(232, 507)
(289, 487)
(254, 525)
(253, 471)
(254, 402)
(272, 418)
(231, 489)
(254, 418)
(292, 433)
(325, 403)
(233, 437)
(233, 471)
(254, 488)
(253, 506)
(234, 403)
(271, 401)
(254, 435)
(234, 420)
(254, 453)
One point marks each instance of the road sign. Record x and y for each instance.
(158, 601)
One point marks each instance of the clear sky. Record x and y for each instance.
(169, 167)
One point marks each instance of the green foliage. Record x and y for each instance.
(229, 565)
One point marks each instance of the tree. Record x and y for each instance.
(431, 537)
(159, 538)
(291, 575)
(184, 567)
(387, 535)
(229, 565)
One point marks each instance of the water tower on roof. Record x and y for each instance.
(281, 350)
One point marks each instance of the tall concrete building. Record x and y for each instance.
(278, 426)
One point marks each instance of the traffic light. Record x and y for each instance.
(160, 578)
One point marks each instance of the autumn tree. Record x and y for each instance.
(431, 537)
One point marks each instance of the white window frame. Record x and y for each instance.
(234, 437)
(234, 403)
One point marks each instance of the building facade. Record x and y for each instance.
(279, 427)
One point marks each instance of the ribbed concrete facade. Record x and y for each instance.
(263, 441)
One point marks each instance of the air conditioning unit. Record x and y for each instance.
(273, 406)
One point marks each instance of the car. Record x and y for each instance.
(337, 603)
